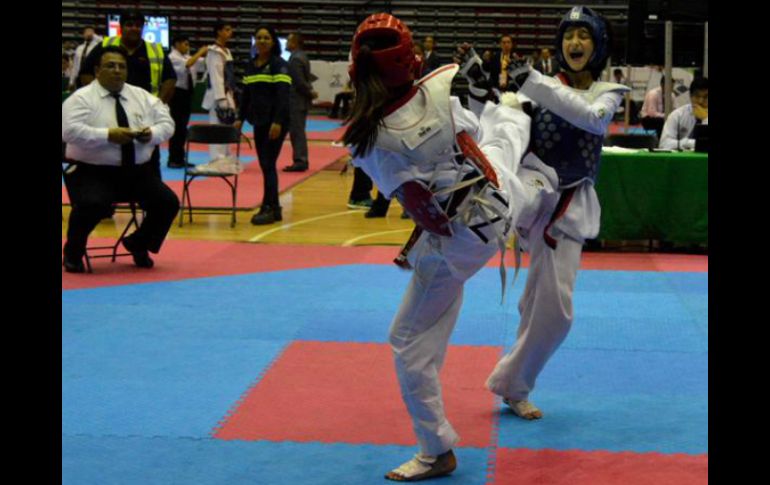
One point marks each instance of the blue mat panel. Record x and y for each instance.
(166, 461)
(648, 314)
(625, 422)
(124, 383)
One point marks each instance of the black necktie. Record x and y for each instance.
(127, 152)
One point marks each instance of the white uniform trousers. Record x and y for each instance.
(419, 334)
(545, 309)
(217, 151)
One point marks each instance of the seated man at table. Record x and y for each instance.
(680, 125)
(111, 129)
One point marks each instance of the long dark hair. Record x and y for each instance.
(369, 102)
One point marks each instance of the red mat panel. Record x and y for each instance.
(598, 468)
(334, 392)
(182, 259)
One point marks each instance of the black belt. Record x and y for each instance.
(457, 197)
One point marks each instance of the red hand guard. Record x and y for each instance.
(423, 208)
(474, 154)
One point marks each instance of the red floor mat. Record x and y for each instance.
(598, 468)
(182, 259)
(335, 392)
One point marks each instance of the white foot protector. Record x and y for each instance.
(422, 467)
(524, 409)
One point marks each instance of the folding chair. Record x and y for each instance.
(210, 135)
(128, 206)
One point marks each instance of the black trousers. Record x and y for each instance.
(93, 189)
(297, 135)
(654, 124)
(180, 106)
(362, 186)
(268, 151)
(341, 100)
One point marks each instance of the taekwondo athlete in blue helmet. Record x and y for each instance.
(571, 113)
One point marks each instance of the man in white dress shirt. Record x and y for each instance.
(111, 129)
(680, 126)
(90, 40)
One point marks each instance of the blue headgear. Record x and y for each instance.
(584, 17)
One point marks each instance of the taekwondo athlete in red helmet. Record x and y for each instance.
(454, 173)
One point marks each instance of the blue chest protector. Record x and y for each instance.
(572, 152)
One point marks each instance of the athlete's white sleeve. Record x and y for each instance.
(465, 119)
(592, 116)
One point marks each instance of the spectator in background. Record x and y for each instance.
(618, 77)
(90, 40)
(360, 197)
(680, 125)
(181, 103)
(419, 53)
(66, 67)
(497, 64)
(110, 128)
(342, 101)
(265, 104)
(533, 58)
(653, 111)
(546, 64)
(301, 98)
(141, 56)
(219, 99)
(431, 60)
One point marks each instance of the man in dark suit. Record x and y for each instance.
(547, 65)
(497, 64)
(300, 100)
(431, 60)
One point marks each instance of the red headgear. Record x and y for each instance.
(397, 63)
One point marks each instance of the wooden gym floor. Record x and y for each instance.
(314, 212)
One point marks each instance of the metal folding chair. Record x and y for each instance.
(210, 135)
(112, 249)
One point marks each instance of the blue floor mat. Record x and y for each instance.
(155, 366)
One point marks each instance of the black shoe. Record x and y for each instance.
(73, 265)
(267, 215)
(297, 167)
(141, 256)
(372, 213)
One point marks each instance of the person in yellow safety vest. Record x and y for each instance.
(148, 66)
